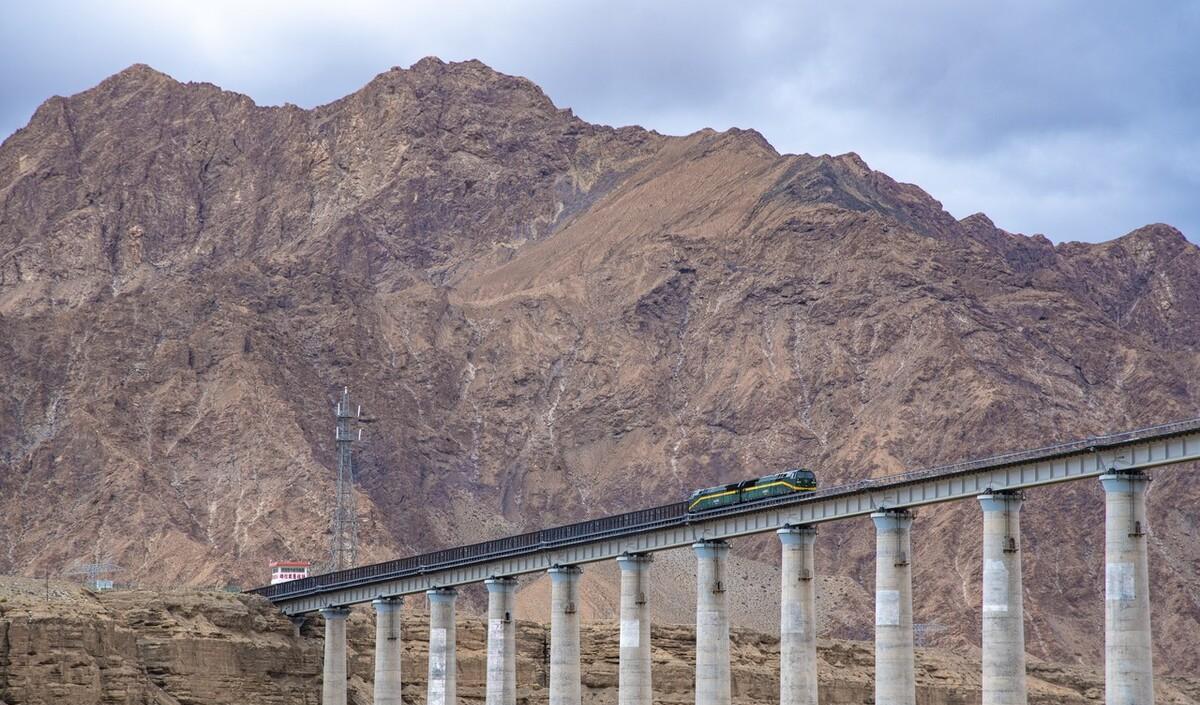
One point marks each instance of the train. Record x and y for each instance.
(783, 483)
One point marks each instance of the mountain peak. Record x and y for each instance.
(977, 221)
(431, 64)
(1158, 234)
(138, 75)
(471, 78)
(854, 162)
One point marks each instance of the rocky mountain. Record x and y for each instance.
(551, 320)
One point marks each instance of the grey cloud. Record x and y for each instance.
(1072, 118)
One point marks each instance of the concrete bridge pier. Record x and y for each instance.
(501, 642)
(388, 649)
(333, 681)
(712, 624)
(798, 618)
(1128, 666)
(633, 673)
(565, 687)
(1003, 618)
(443, 662)
(895, 665)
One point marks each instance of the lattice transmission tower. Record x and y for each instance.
(343, 549)
(98, 574)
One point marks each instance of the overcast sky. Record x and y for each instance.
(1076, 119)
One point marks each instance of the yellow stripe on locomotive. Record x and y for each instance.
(784, 483)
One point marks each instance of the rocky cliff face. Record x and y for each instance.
(59, 644)
(551, 320)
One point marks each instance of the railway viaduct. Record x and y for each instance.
(1119, 461)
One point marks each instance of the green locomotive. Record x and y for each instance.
(789, 482)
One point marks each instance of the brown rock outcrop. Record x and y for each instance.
(552, 320)
(64, 645)
(60, 644)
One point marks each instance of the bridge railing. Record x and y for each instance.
(1043, 453)
(494, 549)
(656, 517)
(1002, 460)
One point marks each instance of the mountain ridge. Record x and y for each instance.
(551, 320)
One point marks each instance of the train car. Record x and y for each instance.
(789, 482)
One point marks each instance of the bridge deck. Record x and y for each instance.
(671, 526)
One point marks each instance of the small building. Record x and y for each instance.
(283, 571)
